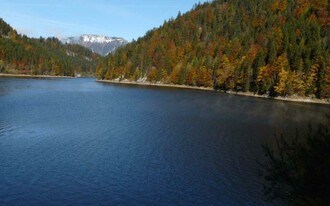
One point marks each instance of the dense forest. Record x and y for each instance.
(22, 55)
(273, 47)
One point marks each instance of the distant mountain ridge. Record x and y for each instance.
(102, 45)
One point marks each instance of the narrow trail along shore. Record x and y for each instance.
(250, 94)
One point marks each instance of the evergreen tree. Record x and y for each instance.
(195, 44)
(23, 55)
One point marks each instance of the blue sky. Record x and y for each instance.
(118, 18)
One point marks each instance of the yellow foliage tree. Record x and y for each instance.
(225, 73)
(175, 75)
(281, 67)
(190, 76)
(152, 75)
(265, 78)
(311, 79)
(164, 76)
(281, 87)
(298, 84)
(204, 77)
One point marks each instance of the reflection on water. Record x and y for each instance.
(75, 141)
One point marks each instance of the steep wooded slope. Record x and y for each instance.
(275, 47)
(23, 55)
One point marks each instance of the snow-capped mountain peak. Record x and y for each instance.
(97, 43)
(97, 38)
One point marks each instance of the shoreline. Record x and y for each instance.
(248, 94)
(32, 76)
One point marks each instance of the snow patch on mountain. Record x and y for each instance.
(97, 43)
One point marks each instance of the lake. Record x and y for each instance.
(79, 142)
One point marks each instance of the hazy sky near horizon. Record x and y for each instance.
(129, 19)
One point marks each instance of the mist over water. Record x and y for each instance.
(76, 141)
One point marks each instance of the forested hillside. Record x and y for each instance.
(274, 47)
(22, 55)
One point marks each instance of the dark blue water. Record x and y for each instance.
(78, 142)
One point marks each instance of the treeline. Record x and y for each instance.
(274, 47)
(22, 55)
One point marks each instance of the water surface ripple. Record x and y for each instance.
(78, 142)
